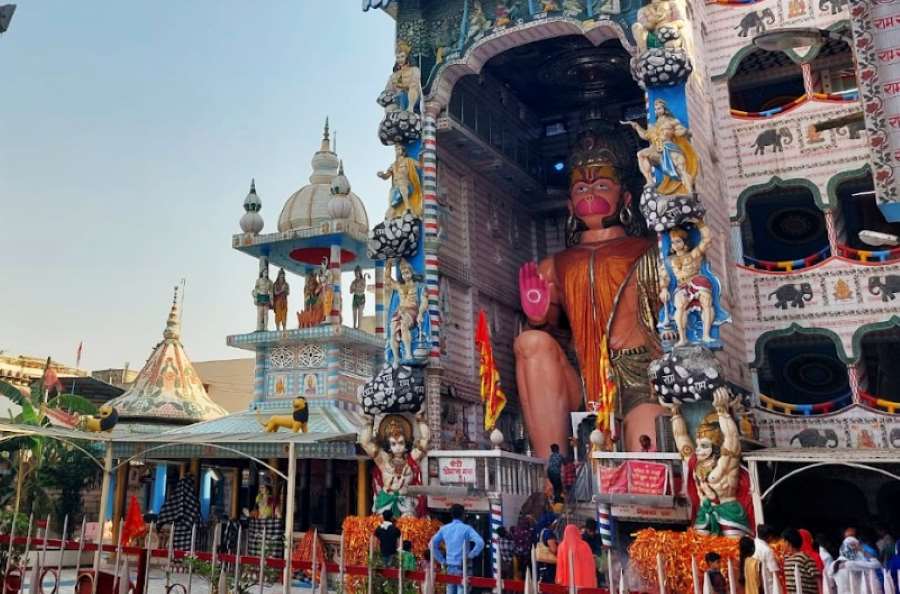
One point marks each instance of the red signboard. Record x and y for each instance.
(636, 477)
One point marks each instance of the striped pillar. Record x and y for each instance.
(334, 268)
(604, 522)
(854, 375)
(333, 364)
(259, 375)
(496, 523)
(379, 299)
(831, 230)
(429, 194)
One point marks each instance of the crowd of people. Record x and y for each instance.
(859, 566)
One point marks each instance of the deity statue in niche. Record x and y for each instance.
(714, 465)
(406, 188)
(280, 291)
(317, 296)
(670, 153)
(405, 82)
(478, 21)
(692, 289)
(262, 298)
(549, 6)
(358, 290)
(397, 455)
(605, 286)
(408, 317)
(658, 25)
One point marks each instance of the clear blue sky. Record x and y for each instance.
(129, 131)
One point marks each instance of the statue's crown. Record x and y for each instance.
(604, 147)
(709, 428)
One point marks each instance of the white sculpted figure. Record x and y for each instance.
(262, 298)
(715, 464)
(406, 80)
(692, 289)
(657, 25)
(358, 290)
(397, 455)
(411, 307)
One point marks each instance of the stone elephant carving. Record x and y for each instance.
(776, 138)
(792, 295)
(756, 20)
(885, 286)
(816, 438)
(836, 5)
(894, 437)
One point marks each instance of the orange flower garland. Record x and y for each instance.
(677, 548)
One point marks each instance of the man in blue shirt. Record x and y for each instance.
(455, 536)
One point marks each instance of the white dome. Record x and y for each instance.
(251, 223)
(309, 206)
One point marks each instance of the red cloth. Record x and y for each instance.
(810, 550)
(569, 474)
(585, 570)
(134, 526)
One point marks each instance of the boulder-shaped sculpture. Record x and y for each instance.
(685, 374)
(664, 67)
(663, 213)
(395, 238)
(399, 127)
(393, 390)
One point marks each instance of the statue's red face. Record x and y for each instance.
(594, 196)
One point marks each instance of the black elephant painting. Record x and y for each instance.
(816, 438)
(836, 6)
(852, 130)
(793, 295)
(757, 21)
(777, 138)
(885, 286)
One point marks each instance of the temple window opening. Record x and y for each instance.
(783, 224)
(879, 373)
(765, 82)
(802, 373)
(833, 75)
(863, 232)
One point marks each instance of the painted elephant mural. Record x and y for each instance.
(792, 295)
(816, 438)
(776, 138)
(757, 21)
(885, 286)
(836, 6)
(852, 131)
(895, 437)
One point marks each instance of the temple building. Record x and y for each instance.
(799, 192)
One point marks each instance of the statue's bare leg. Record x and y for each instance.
(706, 314)
(549, 389)
(646, 166)
(681, 167)
(681, 313)
(640, 37)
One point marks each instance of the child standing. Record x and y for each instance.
(714, 573)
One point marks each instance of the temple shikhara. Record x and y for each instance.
(635, 261)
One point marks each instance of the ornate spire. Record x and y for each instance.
(173, 324)
(326, 140)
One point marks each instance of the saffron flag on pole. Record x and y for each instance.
(78, 354)
(491, 393)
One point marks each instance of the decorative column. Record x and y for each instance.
(604, 523)
(334, 268)
(379, 299)
(119, 500)
(234, 510)
(362, 488)
(159, 488)
(205, 493)
(854, 376)
(259, 375)
(333, 363)
(431, 223)
(496, 522)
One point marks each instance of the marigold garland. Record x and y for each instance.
(677, 548)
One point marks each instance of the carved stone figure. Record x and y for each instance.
(265, 503)
(670, 153)
(397, 455)
(262, 298)
(816, 438)
(280, 291)
(774, 138)
(885, 286)
(410, 311)
(791, 294)
(358, 290)
(406, 188)
(478, 22)
(714, 461)
(755, 20)
(405, 82)
(605, 287)
(658, 25)
(692, 289)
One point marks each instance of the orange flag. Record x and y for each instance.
(134, 526)
(491, 393)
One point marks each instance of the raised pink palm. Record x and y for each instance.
(534, 293)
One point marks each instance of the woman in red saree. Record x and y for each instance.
(574, 556)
